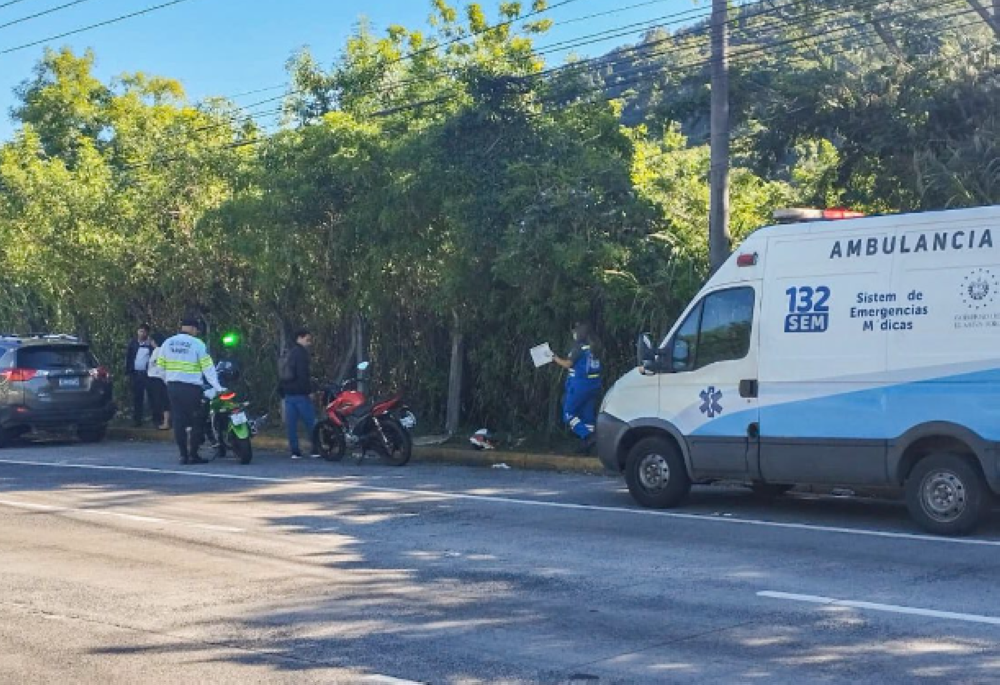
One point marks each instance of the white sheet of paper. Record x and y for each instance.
(541, 355)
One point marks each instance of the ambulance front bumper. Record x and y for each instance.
(610, 431)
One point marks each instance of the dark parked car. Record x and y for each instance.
(52, 382)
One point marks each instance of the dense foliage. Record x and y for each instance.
(443, 183)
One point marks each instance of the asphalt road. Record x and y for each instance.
(119, 566)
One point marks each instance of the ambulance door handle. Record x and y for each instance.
(748, 388)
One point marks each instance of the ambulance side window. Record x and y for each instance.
(685, 346)
(716, 330)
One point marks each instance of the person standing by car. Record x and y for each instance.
(186, 362)
(140, 349)
(583, 385)
(295, 384)
(157, 378)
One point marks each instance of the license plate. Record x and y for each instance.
(408, 420)
(238, 419)
(69, 382)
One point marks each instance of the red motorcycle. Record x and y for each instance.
(352, 420)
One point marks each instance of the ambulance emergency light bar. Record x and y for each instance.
(798, 214)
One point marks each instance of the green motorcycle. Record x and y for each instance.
(230, 427)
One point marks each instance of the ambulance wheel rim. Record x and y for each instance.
(944, 496)
(654, 472)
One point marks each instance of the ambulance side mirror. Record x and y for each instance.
(681, 355)
(644, 350)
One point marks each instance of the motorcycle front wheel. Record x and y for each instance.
(328, 439)
(398, 446)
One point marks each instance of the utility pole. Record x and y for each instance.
(718, 214)
(453, 415)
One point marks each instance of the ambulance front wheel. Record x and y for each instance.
(656, 475)
(946, 494)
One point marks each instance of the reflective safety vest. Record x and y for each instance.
(586, 366)
(185, 359)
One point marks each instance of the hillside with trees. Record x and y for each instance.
(455, 190)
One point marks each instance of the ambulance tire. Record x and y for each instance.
(656, 474)
(946, 495)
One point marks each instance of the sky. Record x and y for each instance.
(228, 47)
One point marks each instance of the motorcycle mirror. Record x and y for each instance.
(363, 366)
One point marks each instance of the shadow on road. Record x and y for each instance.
(451, 590)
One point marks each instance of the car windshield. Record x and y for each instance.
(56, 358)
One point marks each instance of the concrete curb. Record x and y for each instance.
(433, 454)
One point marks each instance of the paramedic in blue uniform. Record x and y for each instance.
(583, 386)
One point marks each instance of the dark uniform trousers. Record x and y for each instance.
(185, 405)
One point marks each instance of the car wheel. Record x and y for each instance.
(946, 495)
(656, 474)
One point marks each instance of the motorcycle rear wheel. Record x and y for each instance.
(328, 439)
(400, 445)
(243, 449)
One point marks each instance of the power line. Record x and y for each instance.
(115, 20)
(806, 18)
(741, 56)
(437, 46)
(875, 40)
(597, 15)
(586, 39)
(738, 56)
(41, 14)
(631, 53)
(446, 72)
(11, 2)
(677, 17)
(265, 89)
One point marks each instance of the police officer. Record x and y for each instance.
(185, 361)
(583, 386)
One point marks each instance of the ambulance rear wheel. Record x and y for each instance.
(946, 494)
(656, 475)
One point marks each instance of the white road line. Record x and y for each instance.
(387, 680)
(520, 502)
(33, 506)
(873, 606)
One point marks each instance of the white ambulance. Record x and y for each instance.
(830, 351)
